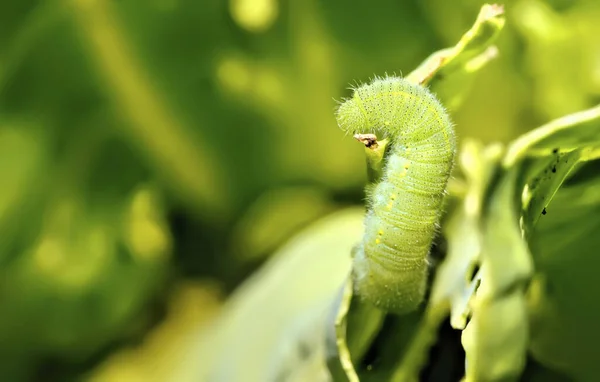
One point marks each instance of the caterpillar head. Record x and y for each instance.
(351, 118)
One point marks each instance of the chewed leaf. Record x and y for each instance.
(496, 340)
(577, 130)
(455, 281)
(505, 255)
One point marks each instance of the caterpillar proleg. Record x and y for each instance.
(404, 208)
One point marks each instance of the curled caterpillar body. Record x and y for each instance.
(390, 264)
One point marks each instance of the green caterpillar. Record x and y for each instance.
(404, 208)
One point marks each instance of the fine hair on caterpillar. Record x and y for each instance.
(390, 266)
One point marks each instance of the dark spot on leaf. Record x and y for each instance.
(555, 150)
(303, 350)
(544, 211)
(554, 168)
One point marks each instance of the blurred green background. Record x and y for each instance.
(154, 153)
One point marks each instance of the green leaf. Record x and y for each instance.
(568, 133)
(23, 152)
(559, 222)
(544, 185)
(488, 24)
(415, 353)
(153, 125)
(495, 340)
(91, 270)
(455, 282)
(562, 303)
(355, 326)
(339, 359)
(450, 71)
(274, 325)
(273, 218)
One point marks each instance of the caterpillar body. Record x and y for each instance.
(390, 265)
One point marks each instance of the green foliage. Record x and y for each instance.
(146, 145)
(298, 297)
(506, 196)
(497, 281)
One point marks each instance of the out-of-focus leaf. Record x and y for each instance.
(300, 354)
(387, 23)
(30, 32)
(455, 280)
(254, 15)
(191, 305)
(23, 152)
(554, 57)
(273, 217)
(183, 162)
(496, 338)
(75, 290)
(300, 280)
(562, 298)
